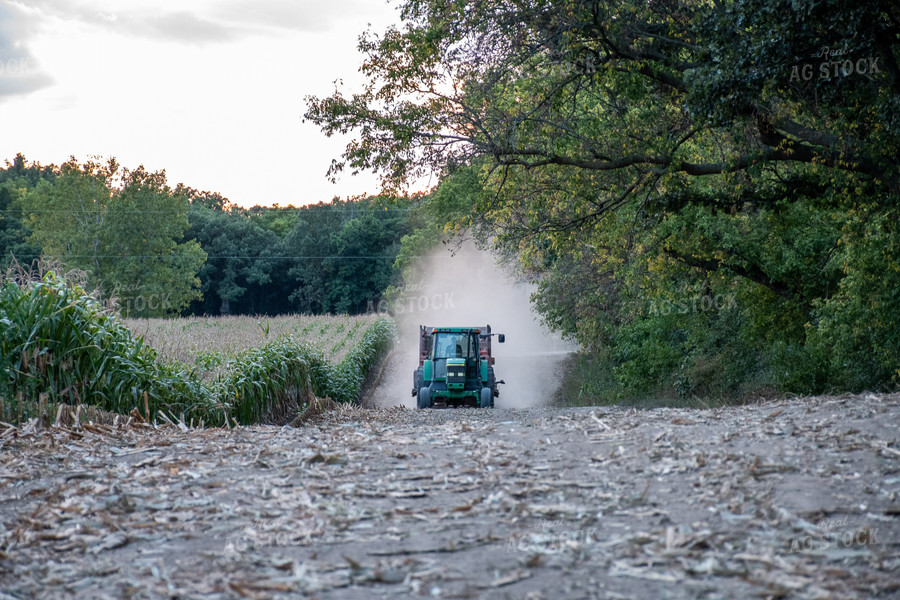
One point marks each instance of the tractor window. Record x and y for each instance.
(453, 345)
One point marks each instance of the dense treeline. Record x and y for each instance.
(707, 193)
(160, 251)
(14, 236)
(332, 257)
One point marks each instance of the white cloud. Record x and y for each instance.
(20, 72)
(305, 15)
(198, 21)
(177, 26)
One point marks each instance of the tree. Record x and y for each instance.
(639, 93)
(242, 273)
(277, 219)
(15, 181)
(122, 226)
(365, 249)
(342, 253)
(213, 200)
(638, 151)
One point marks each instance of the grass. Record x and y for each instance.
(588, 380)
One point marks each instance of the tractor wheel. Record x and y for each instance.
(487, 398)
(423, 400)
(418, 379)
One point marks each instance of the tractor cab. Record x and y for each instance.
(455, 367)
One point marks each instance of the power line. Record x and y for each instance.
(235, 257)
(310, 257)
(19, 211)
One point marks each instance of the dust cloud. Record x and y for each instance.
(468, 288)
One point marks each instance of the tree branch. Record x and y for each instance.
(753, 273)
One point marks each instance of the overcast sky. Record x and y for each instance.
(210, 91)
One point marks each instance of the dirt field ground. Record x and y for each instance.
(784, 499)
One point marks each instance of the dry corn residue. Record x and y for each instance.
(793, 498)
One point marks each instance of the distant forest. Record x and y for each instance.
(161, 251)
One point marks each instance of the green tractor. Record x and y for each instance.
(456, 367)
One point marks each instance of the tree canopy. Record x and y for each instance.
(123, 227)
(14, 234)
(163, 251)
(331, 257)
(640, 157)
(639, 92)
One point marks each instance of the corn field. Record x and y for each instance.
(208, 342)
(61, 345)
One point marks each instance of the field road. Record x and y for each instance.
(782, 499)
